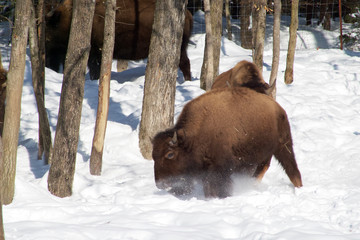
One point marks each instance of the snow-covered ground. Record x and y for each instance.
(323, 105)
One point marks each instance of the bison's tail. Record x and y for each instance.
(285, 153)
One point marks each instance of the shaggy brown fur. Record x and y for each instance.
(133, 29)
(244, 74)
(223, 132)
(3, 78)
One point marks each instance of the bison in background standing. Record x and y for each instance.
(244, 74)
(133, 28)
(223, 132)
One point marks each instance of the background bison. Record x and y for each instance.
(244, 74)
(223, 132)
(133, 27)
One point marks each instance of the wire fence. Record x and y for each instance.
(315, 16)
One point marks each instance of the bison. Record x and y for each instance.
(244, 74)
(223, 132)
(133, 28)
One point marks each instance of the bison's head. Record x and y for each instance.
(173, 171)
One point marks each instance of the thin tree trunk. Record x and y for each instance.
(216, 25)
(289, 72)
(61, 174)
(161, 71)
(228, 19)
(260, 33)
(14, 86)
(245, 32)
(207, 70)
(276, 46)
(38, 80)
(45, 139)
(216, 8)
(104, 89)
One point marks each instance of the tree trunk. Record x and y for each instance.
(228, 19)
(216, 8)
(289, 72)
(259, 37)
(61, 174)
(14, 85)
(276, 46)
(104, 89)
(216, 25)
(207, 70)
(2, 235)
(38, 79)
(245, 32)
(161, 71)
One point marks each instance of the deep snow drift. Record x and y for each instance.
(323, 105)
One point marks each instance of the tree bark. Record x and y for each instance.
(289, 72)
(276, 46)
(207, 70)
(245, 32)
(104, 89)
(161, 71)
(38, 80)
(61, 174)
(260, 8)
(216, 8)
(15, 80)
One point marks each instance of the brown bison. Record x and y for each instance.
(244, 74)
(133, 27)
(223, 132)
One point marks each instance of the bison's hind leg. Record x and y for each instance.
(261, 170)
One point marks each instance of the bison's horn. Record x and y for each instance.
(271, 88)
(174, 139)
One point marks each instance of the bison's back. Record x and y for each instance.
(239, 123)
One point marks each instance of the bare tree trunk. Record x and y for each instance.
(289, 72)
(121, 65)
(259, 38)
(14, 86)
(104, 89)
(38, 79)
(276, 46)
(228, 19)
(207, 70)
(216, 25)
(216, 7)
(61, 174)
(161, 71)
(246, 33)
(2, 234)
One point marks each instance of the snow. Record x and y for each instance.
(323, 105)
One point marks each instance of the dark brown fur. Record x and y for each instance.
(223, 132)
(244, 74)
(133, 29)
(3, 78)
